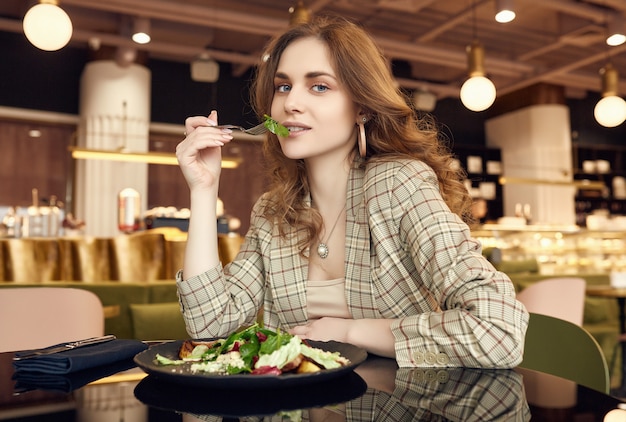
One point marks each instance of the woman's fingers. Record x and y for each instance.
(191, 123)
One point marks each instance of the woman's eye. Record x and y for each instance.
(320, 88)
(282, 88)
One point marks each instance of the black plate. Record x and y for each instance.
(182, 373)
(262, 401)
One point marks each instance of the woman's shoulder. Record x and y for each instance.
(398, 169)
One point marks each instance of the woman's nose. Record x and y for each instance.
(293, 102)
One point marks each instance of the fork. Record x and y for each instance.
(255, 130)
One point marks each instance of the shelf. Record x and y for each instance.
(532, 228)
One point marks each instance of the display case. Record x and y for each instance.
(603, 163)
(483, 166)
(558, 249)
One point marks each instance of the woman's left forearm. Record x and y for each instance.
(373, 335)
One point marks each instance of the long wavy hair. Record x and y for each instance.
(394, 130)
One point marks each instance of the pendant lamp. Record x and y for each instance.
(299, 14)
(477, 93)
(47, 26)
(610, 111)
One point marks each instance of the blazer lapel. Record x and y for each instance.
(287, 280)
(359, 289)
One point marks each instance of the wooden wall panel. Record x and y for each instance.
(33, 162)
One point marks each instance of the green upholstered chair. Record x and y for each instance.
(158, 321)
(564, 349)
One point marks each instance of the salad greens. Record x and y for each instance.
(255, 350)
(275, 127)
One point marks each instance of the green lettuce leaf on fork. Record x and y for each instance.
(275, 127)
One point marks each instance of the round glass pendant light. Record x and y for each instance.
(477, 93)
(47, 26)
(610, 111)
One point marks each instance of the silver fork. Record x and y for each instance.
(256, 130)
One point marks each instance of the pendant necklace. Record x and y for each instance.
(322, 248)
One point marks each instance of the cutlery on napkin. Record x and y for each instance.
(62, 347)
(79, 358)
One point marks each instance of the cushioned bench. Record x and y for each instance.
(140, 308)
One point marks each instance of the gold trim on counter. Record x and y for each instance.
(580, 184)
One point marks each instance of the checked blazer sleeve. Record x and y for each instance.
(449, 304)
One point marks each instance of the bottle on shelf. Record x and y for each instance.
(34, 224)
(129, 210)
(11, 222)
(54, 217)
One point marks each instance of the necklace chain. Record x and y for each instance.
(322, 247)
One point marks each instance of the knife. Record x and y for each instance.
(64, 347)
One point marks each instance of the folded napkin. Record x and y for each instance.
(27, 380)
(81, 358)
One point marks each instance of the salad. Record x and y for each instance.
(275, 127)
(257, 351)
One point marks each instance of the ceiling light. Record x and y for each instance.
(141, 33)
(504, 11)
(47, 26)
(477, 93)
(299, 14)
(610, 111)
(616, 35)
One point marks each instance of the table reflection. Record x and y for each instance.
(378, 390)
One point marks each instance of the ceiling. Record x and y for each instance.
(557, 42)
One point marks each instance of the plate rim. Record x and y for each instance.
(357, 356)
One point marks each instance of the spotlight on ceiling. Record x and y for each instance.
(616, 33)
(47, 26)
(610, 111)
(477, 93)
(141, 31)
(504, 11)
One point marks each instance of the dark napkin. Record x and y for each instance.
(81, 358)
(27, 380)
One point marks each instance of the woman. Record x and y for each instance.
(361, 237)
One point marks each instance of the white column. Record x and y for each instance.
(115, 114)
(536, 143)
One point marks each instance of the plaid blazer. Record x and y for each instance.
(408, 258)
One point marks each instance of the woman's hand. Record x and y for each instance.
(373, 335)
(324, 329)
(199, 154)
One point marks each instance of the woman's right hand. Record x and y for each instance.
(199, 154)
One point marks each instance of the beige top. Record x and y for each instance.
(327, 298)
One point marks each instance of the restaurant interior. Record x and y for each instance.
(91, 197)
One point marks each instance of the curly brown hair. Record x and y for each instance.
(394, 130)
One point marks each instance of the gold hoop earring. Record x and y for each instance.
(362, 137)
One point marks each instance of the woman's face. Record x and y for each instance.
(309, 100)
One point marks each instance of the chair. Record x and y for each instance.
(35, 317)
(564, 349)
(562, 298)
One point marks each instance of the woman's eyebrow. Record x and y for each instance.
(309, 75)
